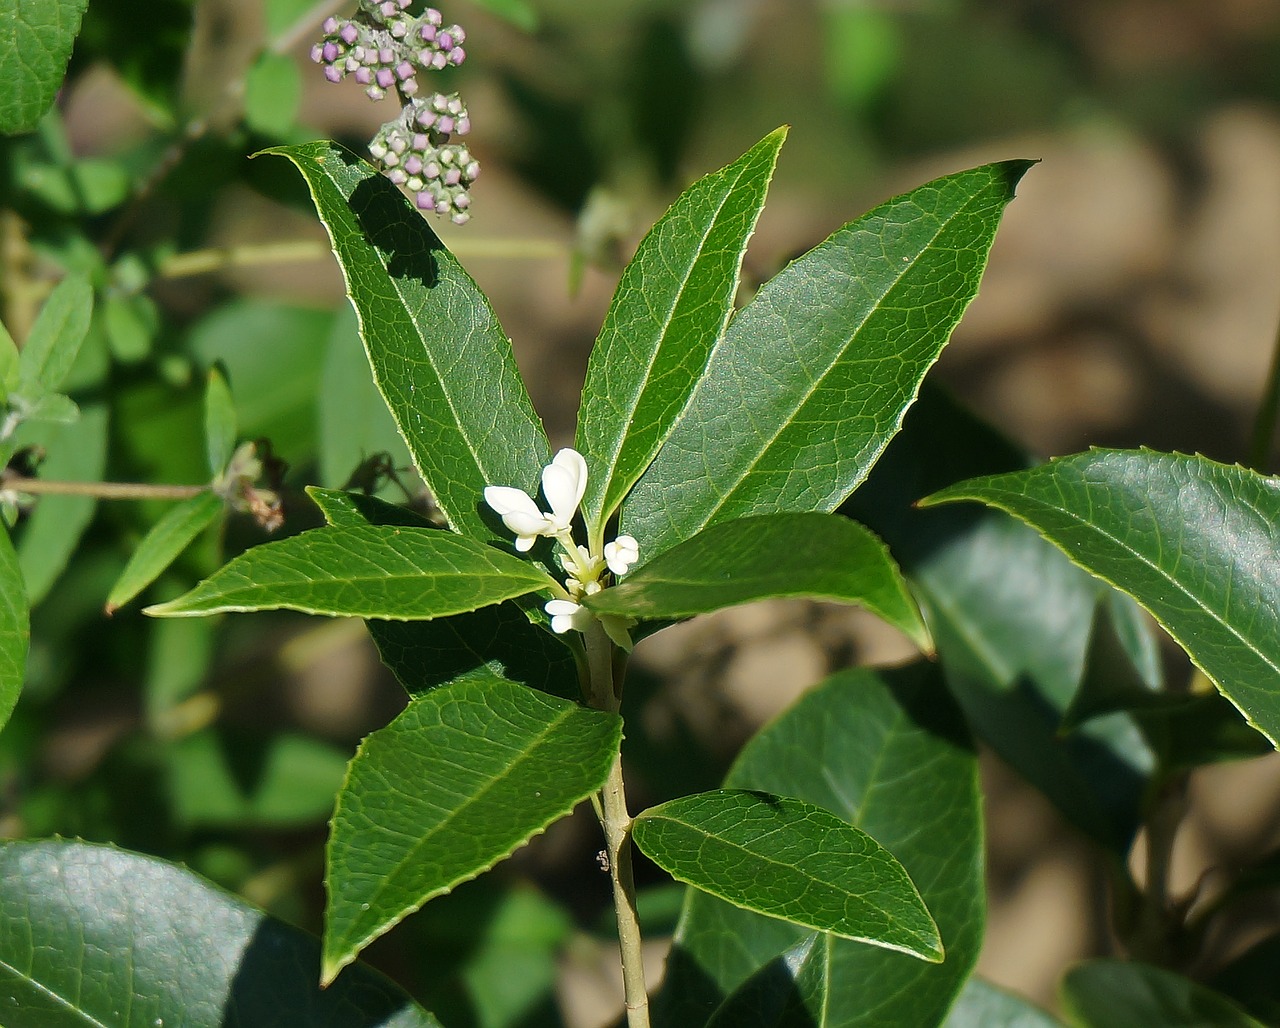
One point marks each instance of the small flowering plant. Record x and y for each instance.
(713, 448)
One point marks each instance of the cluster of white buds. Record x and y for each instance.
(384, 49)
(564, 482)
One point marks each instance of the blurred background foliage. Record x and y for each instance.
(1131, 299)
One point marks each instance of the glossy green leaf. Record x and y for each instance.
(790, 990)
(981, 1005)
(440, 358)
(812, 378)
(272, 93)
(786, 858)
(220, 425)
(889, 752)
(496, 640)
(34, 49)
(91, 935)
(373, 572)
(1123, 994)
(464, 776)
(815, 555)
(1194, 542)
(161, 546)
(77, 452)
(671, 305)
(1011, 618)
(15, 627)
(55, 338)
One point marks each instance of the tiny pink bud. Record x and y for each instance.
(427, 118)
(452, 177)
(432, 170)
(472, 171)
(330, 52)
(438, 60)
(428, 33)
(363, 75)
(386, 55)
(399, 30)
(387, 9)
(385, 78)
(421, 141)
(349, 33)
(433, 16)
(398, 176)
(330, 26)
(444, 41)
(391, 159)
(442, 206)
(410, 87)
(397, 144)
(413, 164)
(457, 55)
(404, 70)
(374, 93)
(459, 37)
(460, 218)
(333, 73)
(462, 201)
(463, 126)
(425, 202)
(317, 54)
(445, 124)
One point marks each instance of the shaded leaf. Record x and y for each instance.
(15, 627)
(981, 1005)
(1250, 979)
(785, 858)
(812, 378)
(1193, 541)
(161, 546)
(88, 932)
(34, 50)
(1011, 618)
(889, 752)
(465, 775)
(814, 555)
(272, 93)
(790, 991)
(1124, 994)
(440, 359)
(370, 571)
(671, 305)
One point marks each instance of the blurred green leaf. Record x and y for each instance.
(1193, 541)
(131, 321)
(670, 307)
(786, 858)
(15, 628)
(80, 186)
(889, 752)
(88, 932)
(161, 546)
(811, 379)
(352, 420)
(220, 427)
(1011, 618)
(8, 361)
(370, 571)
(285, 780)
(179, 653)
(77, 452)
(272, 93)
(440, 358)
(283, 14)
(822, 556)
(862, 48)
(521, 13)
(55, 407)
(273, 352)
(1124, 994)
(466, 774)
(981, 1005)
(34, 49)
(55, 338)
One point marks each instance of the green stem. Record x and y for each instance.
(1157, 934)
(102, 490)
(1264, 424)
(616, 823)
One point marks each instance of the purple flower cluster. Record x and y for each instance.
(383, 48)
(414, 151)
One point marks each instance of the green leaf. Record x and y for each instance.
(1193, 541)
(786, 858)
(812, 378)
(671, 305)
(353, 422)
(55, 338)
(15, 627)
(220, 425)
(521, 13)
(218, 779)
(131, 321)
(465, 775)
(888, 751)
(373, 571)
(1011, 618)
(815, 555)
(982, 1005)
(161, 546)
(8, 362)
(77, 452)
(1122, 994)
(55, 407)
(34, 49)
(272, 93)
(495, 640)
(791, 989)
(440, 358)
(92, 935)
